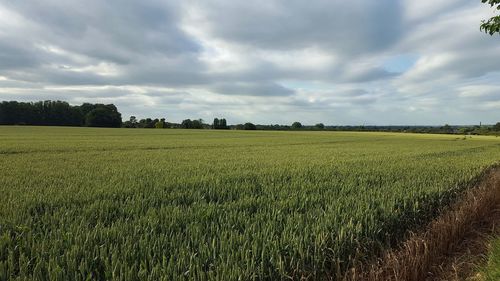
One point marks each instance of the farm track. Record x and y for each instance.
(451, 245)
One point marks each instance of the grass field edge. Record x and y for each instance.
(424, 255)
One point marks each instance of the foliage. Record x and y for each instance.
(131, 123)
(496, 127)
(192, 124)
(320, 126)
(40, 113)
(492, 25)
(249, 126)
(160, 124)
(125, 204)
(103, 116)
(296, 125)
(220, 124)
(55, 113)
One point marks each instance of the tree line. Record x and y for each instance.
(59, 113)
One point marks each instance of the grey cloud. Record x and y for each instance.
(252, 89)
(15, 54)
(110, 30)
(345, 26)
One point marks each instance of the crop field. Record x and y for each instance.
(165, 204)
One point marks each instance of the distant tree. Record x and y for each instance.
(296, 125)
(51, 113)
(249, 126)
(447, 129)
(103, 116)
(197, 124)
(219, 124)
(131, 123)
(59, 113)
(239, 127)
(319, 126)
(496, 127)
(147, 123)
(492, 25)
(159, 124)
(187, 124)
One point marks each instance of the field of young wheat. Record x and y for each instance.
(165, 204)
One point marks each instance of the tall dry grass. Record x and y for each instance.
(418, 257)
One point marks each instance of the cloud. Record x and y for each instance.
(336, 62)
(250, 89)
(347, 27)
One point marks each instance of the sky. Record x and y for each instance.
(384, 62)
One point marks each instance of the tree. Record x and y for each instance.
(103, 116)
(296, 125)
(447, 129)
(186, 124)
(192, 124)
(58, 113)
(51, 113)
(496, 127)
(147, 123)
(215, 125)
(219, 124)
(319, 126)
(197, 124)
(131, 123)
(249, 126)
(492, 25)
(160, 124)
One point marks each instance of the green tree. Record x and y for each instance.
(103, 116)
(496, 127)
(447, 129)
(249, 126)
(187, 124)
(223, 123)
(296, 125)
(159, 124)
(319, 126)
(197, 124)
(131, 123)
(492, 25)
(215, 125)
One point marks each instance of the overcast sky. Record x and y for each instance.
(332, 61)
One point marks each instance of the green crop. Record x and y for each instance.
(490, 271)
(151, 204)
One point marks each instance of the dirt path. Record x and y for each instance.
(450, 246)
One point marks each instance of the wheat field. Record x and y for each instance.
(168, 204)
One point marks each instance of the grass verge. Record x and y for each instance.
(491, 270)
(429, 254)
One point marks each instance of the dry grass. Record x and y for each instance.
(449, 247)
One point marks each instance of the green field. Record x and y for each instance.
(164, 204)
